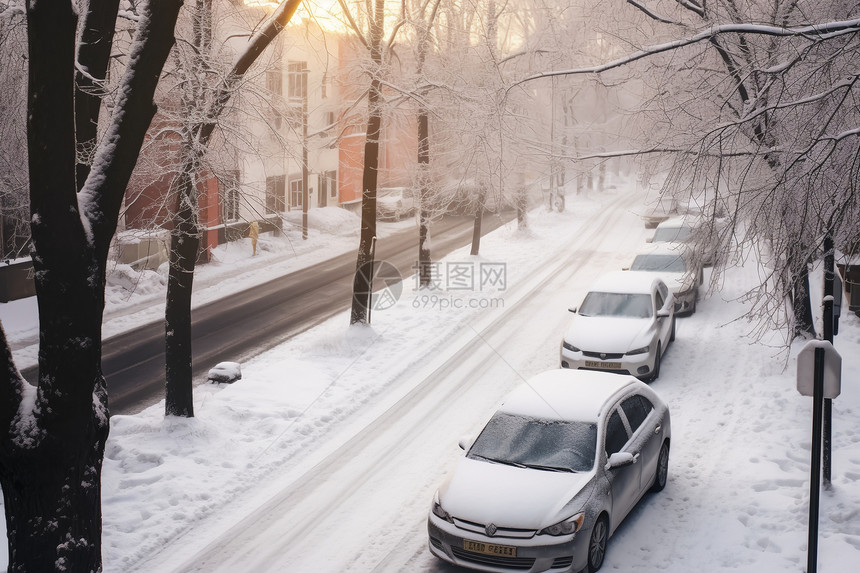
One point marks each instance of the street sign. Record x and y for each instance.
(806, 369)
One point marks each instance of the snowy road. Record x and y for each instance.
(312, 524)
(325, 458)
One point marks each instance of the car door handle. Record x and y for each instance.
(657, 429)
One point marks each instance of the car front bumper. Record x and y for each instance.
(639, 365)
(533, 555)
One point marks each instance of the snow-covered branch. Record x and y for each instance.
(824, 31)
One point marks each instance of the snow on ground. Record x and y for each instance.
(737, 499)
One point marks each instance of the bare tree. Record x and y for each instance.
(757, 109)
(52, 449)
(203, 103)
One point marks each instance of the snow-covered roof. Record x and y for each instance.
(624, 282)
(566, 394)
(679, 221)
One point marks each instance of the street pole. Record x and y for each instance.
(828, 336)
(305, 154)
(815, 472)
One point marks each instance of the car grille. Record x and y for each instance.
(494, 560)
(604, 356)
(562, 562)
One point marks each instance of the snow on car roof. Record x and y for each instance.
(680, 221)
(624, 282)
(566, 394)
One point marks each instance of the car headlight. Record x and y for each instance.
(571, 347)
(566, 527)
(643, 350)
(438, 511)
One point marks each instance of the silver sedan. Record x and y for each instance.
(552, 474)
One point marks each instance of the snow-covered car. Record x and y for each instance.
(659, 210)
(552, 475)
(677, 266)
(675, 230)
(395, 203)
(685, 230)
(624, 325)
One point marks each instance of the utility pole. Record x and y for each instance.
(304, 93)
(828, 336)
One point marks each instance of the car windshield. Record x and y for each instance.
(550, 445)
(672, 234)
(670, 262)
(616, 304)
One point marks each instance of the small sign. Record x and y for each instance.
(806, 369)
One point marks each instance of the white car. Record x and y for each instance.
(677, 266)
(675, 230)
(624, 325)
(553, 473)
(395, 203)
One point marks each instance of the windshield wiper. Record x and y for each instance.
(551, 468)
(503, 462)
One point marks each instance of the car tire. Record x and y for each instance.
(672, 334)
(662, 474)
(657, 359)
(597, 543)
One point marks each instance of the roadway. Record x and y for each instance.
(259, 318)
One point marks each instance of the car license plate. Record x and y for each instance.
(489, 548)
(605, 365)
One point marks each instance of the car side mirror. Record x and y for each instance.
(465, 443)
(621, 459)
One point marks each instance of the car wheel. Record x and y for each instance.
(662, 469)
(656, 370)
(597, 543)
(672, 334)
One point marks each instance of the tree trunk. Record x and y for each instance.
(479, 217)
(52, 448)
(424, 271)
(186, 236)
(184, 247)
(361, 285)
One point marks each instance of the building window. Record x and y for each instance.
(331, 176)
(275, 82)
(275, 194)
(275, 87)
(228, 187)
(295, 192)
(297, 80)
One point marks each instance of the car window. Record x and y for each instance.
(616, 304)
(616, 434)
(660, 300)
(537, 443)
(636, 408)
(672, 234)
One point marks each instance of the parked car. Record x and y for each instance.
(685, 230)
(552, 475)
(675, 230)
(678, 267)
(659, 210)
(624, 325)
(395, 203)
